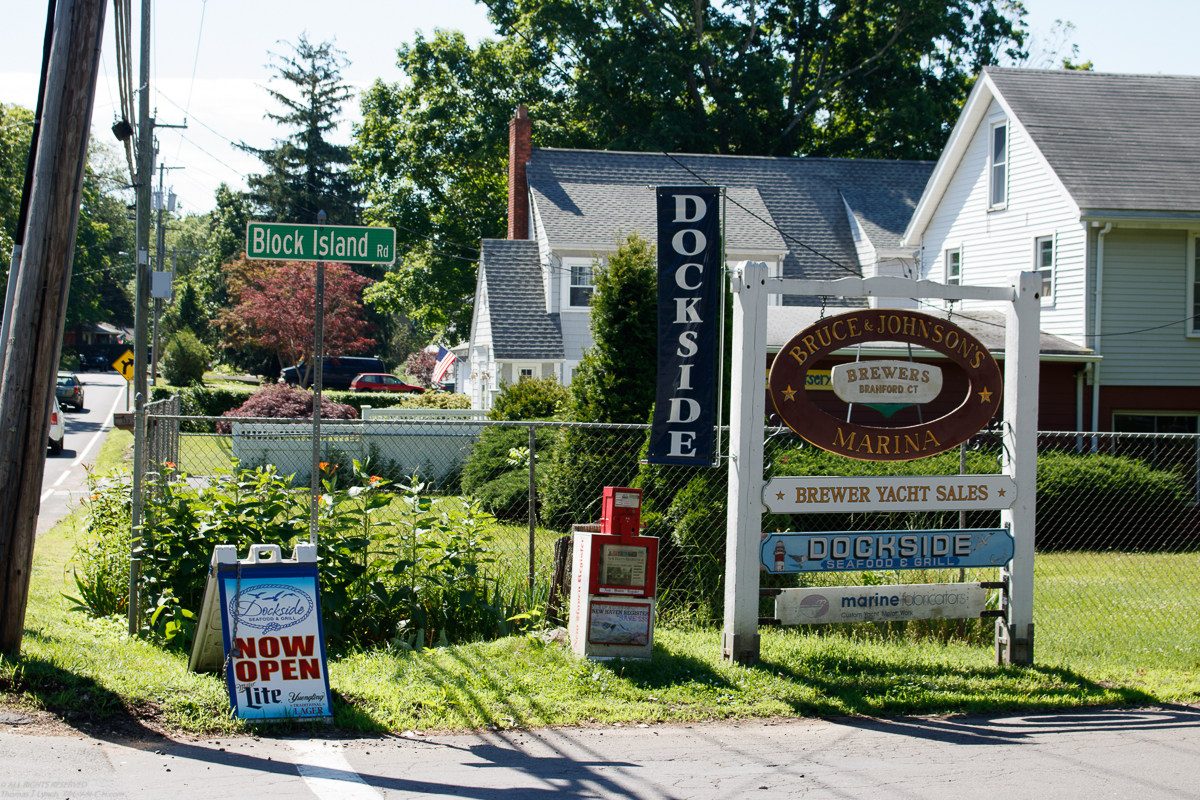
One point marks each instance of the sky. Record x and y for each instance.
(210, 59)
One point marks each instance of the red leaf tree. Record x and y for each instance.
(276, 309)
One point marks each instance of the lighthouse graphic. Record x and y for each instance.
(780, 554)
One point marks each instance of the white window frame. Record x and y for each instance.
(1038, 241)
(1112, 423)
(946, 277)
(1192, 326)
(535, 369)
(567, 264)
(992, 165)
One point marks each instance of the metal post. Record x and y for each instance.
(532, 506)
(739, 641)
(1014, 631)
(962, 515)
(318, 352)
(159, 245)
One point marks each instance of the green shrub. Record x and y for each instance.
(499, 465)
(395, 567)
(579, 466)
(536, 398)
(185, 360)
(1095, 501)
(100, 563)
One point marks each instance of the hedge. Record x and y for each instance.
(214, 401)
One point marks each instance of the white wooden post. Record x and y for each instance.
(1014, 631)
(739, 643)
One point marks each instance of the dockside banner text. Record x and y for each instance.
(689, 297)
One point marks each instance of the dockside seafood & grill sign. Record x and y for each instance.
(805, 350)
(689, 297)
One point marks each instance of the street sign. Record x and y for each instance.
(802, 494)
(285, 241)
(839, 551)
(124, 365)
(887, 603)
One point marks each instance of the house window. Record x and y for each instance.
(1195, 304)
(526, 372)
(1043, 250)
(954, 267)
(580, 284)
(999, 168)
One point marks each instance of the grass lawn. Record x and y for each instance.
(89, 669)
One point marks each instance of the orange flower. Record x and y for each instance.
(375, 479)
(324, 466)
(170, 464)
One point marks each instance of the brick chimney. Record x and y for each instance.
(520, 130)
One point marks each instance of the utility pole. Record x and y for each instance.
(145, 174)
(40, 297)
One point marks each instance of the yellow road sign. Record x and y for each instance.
(124, 365)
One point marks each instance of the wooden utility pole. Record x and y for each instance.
(40, 298)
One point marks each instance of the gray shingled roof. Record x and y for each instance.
(521, 328)
(585, 213)
(801, 195)
(1119, 142)
(987, 326)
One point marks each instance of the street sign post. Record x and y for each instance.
(286, 241)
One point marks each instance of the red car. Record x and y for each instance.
(382, 382)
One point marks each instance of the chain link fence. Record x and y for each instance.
(1118, 524)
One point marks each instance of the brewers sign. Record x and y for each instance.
(805, 350)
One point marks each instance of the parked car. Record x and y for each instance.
(69, 390)
(339, 371)
(58, 427)
(382, 382)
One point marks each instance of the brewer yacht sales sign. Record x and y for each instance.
(884, 382)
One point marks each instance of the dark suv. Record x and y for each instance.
(339, 371)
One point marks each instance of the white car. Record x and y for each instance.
(58, 427)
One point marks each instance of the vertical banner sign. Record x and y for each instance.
(689, 296)
(279, 668)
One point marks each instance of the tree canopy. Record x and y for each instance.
(865, 78)
(305, 172)
(433, 153)
(835, 78)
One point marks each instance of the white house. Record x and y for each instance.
(1090, 179)
(805, 217)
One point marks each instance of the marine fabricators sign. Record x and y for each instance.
(805, 350)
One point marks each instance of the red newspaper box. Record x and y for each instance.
(616, 573)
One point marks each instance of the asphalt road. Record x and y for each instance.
(64, 480)
(1145, 754)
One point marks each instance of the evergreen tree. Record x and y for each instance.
(305, 172)
(615, 380)
(614, 383)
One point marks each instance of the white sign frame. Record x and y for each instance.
(752, 286)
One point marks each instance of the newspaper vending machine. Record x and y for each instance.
(612, 592)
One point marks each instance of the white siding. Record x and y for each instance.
(1145, 285)
(995, 244)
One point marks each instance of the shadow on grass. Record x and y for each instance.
(77, 698)
(849, 684)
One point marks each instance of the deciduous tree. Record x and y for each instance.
(276, 306)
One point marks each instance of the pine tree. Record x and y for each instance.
(305, 173)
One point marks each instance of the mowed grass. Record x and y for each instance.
(89, 670)
(1118, 612)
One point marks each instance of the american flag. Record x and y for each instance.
(445, 360)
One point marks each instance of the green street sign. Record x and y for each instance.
(285, 241)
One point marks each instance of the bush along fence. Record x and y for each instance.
(1116, 512)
